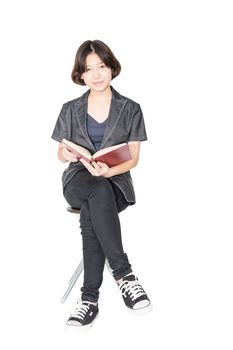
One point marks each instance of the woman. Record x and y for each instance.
(100, 118)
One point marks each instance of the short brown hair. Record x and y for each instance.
(102, 50)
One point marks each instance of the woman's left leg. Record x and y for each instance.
(104, 216)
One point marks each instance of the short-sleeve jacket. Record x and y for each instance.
(125, 123)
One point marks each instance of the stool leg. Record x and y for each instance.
(108, 266)
(72, 281)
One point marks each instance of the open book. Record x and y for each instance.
(112, 156)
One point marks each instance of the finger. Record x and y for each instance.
(87, 165)
(101, 164)
(70, 156)
(73, 158)
(95, 165)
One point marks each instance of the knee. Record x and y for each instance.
(101, 188)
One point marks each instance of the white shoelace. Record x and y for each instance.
(80, 310)
(133, 288)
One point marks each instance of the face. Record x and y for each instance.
(97, 75)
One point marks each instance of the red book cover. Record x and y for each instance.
(115, 156)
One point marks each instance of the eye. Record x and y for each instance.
(102, 66)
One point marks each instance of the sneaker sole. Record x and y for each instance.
(141, 311)
(79, 329)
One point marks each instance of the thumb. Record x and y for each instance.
(101, 164)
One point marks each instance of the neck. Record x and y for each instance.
(100, 96)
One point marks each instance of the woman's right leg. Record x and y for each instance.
(93, 257)
(100, 227)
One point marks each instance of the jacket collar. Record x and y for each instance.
(116, 108)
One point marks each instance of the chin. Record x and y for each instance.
(101, 87)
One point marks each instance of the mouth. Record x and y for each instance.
(98, 83)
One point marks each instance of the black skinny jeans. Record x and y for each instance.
(100, 202)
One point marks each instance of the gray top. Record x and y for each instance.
(125, 123)
(95, 131)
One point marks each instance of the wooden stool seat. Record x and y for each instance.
(73, 210)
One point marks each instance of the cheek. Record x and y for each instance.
(86, 80)
(109, 75)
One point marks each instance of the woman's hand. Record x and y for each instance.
(96, 168)
(65, 155)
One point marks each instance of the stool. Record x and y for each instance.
(79, 269)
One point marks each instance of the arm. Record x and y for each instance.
(102, 169)
(134, 147)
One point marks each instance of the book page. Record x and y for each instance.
(108, 149)
(79, 149)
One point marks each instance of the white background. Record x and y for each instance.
(176, 61)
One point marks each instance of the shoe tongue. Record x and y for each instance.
(85, 303)
(129, 278)
(88, 303)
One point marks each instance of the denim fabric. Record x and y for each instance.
(100, 202)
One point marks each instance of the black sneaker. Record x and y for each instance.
(82, 316)
(134, 295)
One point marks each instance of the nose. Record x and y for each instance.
(95, 72)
